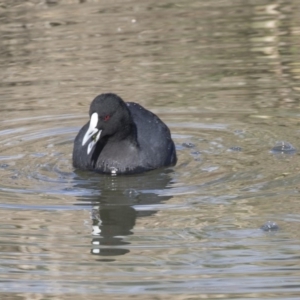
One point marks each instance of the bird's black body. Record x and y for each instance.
(132, 139)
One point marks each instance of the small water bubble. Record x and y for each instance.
(282, 147)
(188, 145)
(113, 171)
(269, 226)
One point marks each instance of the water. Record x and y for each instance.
(224, 76)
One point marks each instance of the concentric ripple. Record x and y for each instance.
(200, 217)
(35, 155)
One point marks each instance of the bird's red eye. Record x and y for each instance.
(106, 118)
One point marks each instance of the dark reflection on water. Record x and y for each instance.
(122, 200)
(109, 223)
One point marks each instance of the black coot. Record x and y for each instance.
(122, 138)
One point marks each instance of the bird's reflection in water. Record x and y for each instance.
(120, 200)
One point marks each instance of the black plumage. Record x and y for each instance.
(122, 138)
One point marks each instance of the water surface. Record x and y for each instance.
(224, 76)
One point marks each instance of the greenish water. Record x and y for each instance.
(224, 76)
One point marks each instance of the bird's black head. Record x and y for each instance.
(109, 117)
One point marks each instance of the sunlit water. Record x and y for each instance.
(224, 222)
